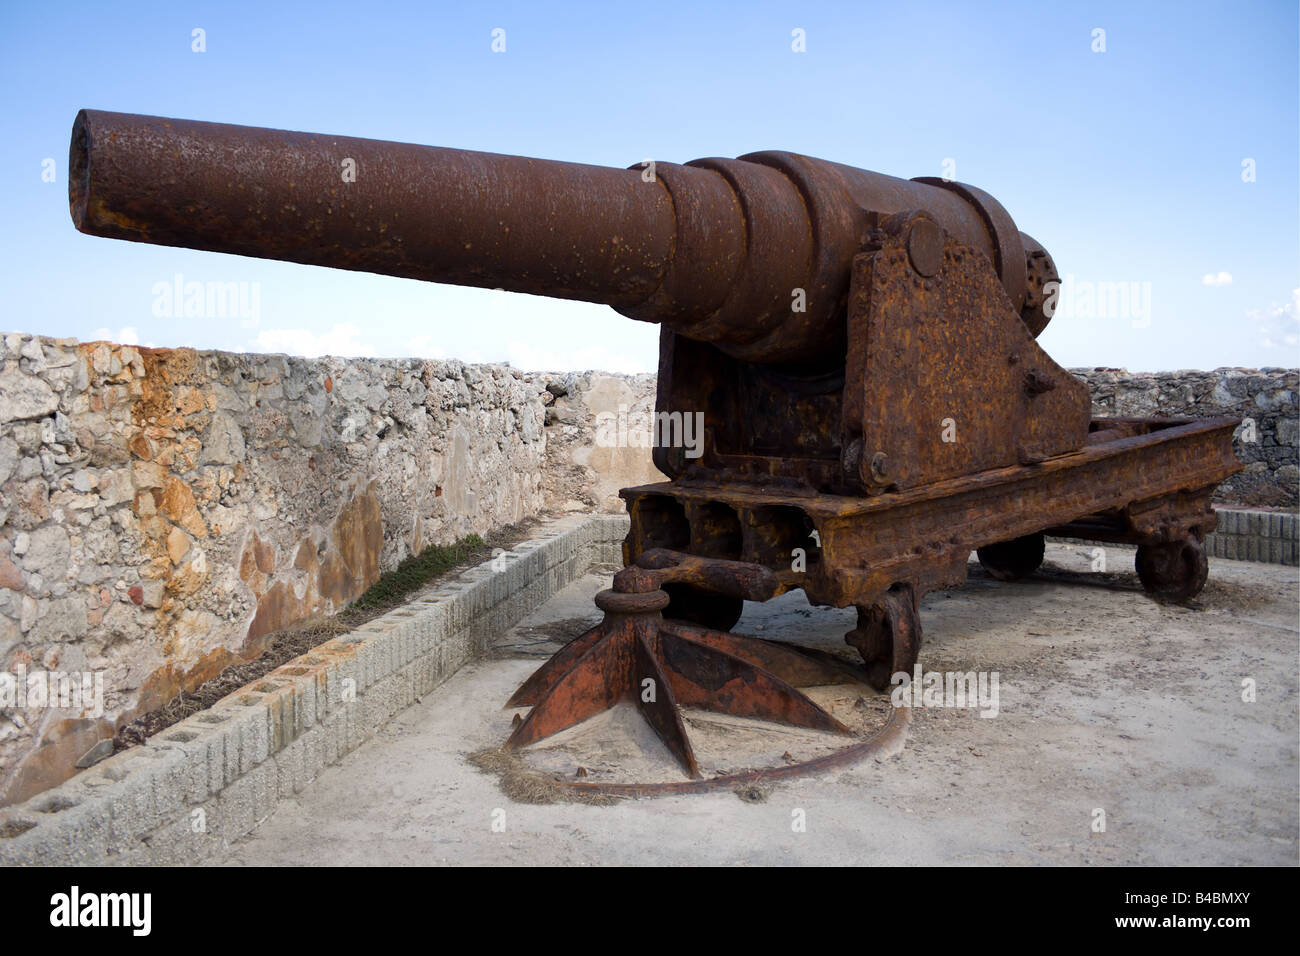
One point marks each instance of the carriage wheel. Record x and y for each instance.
(1175, 570)
(888, 635)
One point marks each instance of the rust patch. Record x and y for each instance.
(349, 565)
(10, 577)
(178, 505)
(358, 537)
(277, 609)
(141, 446)
(305, 559)
(169, 680)
(263, 554)
(333, 580)
(54, 759)
(167, 371)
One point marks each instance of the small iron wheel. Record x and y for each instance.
(888, 635)
(715, 611)
(1175, 570)
(1014, 559)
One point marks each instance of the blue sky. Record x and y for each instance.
(1126, 164)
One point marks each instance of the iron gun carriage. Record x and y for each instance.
(862, 349)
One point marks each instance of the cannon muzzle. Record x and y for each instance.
(750, 254)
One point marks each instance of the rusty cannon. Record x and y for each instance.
(859, 349)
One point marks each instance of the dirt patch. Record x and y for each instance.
(543, 640)
(13, 828)
(523, 784)
(392, 590)
(1235, 595)
(1219, 594)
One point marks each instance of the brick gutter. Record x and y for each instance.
(203, 783)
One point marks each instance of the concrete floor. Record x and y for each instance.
(1108, 701)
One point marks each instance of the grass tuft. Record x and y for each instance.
(416, 571)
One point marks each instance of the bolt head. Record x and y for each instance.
(925, 247)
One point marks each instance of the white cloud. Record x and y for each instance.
(341, 340)
(1221, 278)
(1279, 325)
(422, 347)
(531, 358)
(124, 336)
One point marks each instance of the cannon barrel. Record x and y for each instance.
(714, 249)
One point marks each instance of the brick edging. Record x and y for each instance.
(1252, 535)
(196, 787)
(1246, 534)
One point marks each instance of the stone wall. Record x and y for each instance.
(1269, 398)
(162, 511)
(583, 473)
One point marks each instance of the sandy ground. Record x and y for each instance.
(1107, 701)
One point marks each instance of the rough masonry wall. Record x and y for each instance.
(1269, 398)
(162, 511)
(584, 472)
